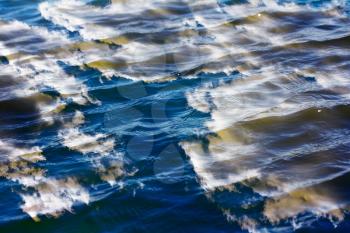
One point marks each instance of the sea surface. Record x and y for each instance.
(163, 116)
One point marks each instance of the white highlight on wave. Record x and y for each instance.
(97, 146)
(35, 70)
(134, 59)
(243, 100)
(269, 90)
(15, 33)
(52, 197)
(32, 73)
(142, 60)
(237, 155)
(76, 15)
(48, 196)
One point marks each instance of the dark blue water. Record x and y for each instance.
(174, 116)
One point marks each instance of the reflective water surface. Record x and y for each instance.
(174, 116)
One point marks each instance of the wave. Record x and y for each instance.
(278, 118)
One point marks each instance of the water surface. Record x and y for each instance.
(174, 116)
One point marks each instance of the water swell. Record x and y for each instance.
(254, 92)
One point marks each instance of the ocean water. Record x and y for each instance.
(174, 116)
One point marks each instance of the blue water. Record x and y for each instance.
(103, 105)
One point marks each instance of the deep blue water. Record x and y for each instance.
(174, 116)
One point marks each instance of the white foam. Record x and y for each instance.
(11, 153)
(85, 143)
(37, 38)
(270, 88)
(78, 16)
(197, 100)
(229, 168)
(139, 56)
(37, 72)
(53, 197)
(17, 164)
(245, 222)
(97, 146)
(33, 72)
(236, 155)
(318, 202)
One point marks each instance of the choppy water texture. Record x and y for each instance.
(174, 116)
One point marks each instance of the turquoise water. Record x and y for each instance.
(174, 116)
